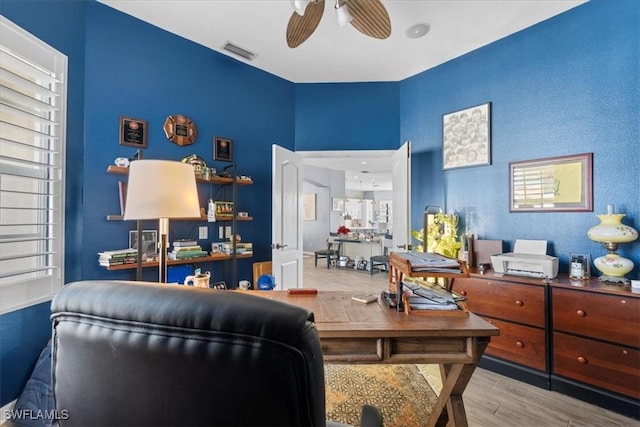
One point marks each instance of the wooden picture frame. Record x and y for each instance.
(222, 149)
(554, 184)
(466, 137)
(133, 132)
(180, 130)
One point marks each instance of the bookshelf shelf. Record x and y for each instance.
(210, 258)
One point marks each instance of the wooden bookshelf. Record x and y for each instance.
(210, 258)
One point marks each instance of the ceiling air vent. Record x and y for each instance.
(237, 50)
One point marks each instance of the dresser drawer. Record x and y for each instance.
(509, 301)
(607, 317)
(612, 367)
(519, 344)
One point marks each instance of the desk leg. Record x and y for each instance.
(455, 378)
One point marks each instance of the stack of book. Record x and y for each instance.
(185, 249)
(117, 257)
(241, 248)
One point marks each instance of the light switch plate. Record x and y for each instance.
(203, 233)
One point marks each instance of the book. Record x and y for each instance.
(366, 299)
(187, 248)
(184, 242)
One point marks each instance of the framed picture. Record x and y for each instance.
(224, 208)
(149, 241)
(222, 149)
(309, 207)
(218, 285)
(557, 184)
(338, 204)
(133, 132)
(466, 137)
(580, 266)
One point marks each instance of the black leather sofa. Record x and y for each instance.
(146, 354)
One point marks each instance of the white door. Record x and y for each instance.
(286, 218)
(401, 176)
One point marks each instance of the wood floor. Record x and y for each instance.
(491, 400)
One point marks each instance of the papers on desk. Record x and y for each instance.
(421, 298)
(421, 261)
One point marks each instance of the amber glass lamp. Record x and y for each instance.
(611, 233)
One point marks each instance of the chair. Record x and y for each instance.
(381, 261)
(260, 268)
(146, 354)
(332, 252)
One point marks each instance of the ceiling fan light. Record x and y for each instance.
(342, 14)
(299, 6)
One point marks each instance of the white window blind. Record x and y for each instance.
(32, 153)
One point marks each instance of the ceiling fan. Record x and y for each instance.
(367, 16)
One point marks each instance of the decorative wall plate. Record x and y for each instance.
(180, 129)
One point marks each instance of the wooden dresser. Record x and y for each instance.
(518, 306)
(581, 338)
(596, 343)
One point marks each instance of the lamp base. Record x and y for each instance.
(614, 279)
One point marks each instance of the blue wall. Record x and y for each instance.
(568, 85)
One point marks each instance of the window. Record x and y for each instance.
(32, 153)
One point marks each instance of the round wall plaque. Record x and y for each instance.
(180, 129)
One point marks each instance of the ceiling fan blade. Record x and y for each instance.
(301, 27)
(370, 18)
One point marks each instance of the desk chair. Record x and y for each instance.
(149, 354)
(332, 252)
(381, 262)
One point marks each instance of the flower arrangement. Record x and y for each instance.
(343, 230)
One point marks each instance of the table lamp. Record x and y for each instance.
(162, 190)
(611, 232)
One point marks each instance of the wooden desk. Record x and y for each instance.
(353, 332)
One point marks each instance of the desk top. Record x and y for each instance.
(338, 316)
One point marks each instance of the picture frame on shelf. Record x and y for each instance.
(149, 241)
(580, 266)
(466, 137)
(133, 132)
(554, 184)
(224, 208)
(222, 149)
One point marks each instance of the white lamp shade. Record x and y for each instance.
(161, 189)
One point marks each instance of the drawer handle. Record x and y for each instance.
(582, 359)
(519, 303)
(519, 344)
(581, 313)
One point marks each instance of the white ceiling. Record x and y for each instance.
(342, 54)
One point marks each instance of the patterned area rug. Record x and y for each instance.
(401, 392)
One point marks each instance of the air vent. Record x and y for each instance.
(237, 50)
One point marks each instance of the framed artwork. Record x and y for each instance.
(337, 204)
(149, 241)
(222, 149)
(466, 137)
(557, 184)
(309, 207)
(133, 132)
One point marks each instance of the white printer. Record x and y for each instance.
(528, 259)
